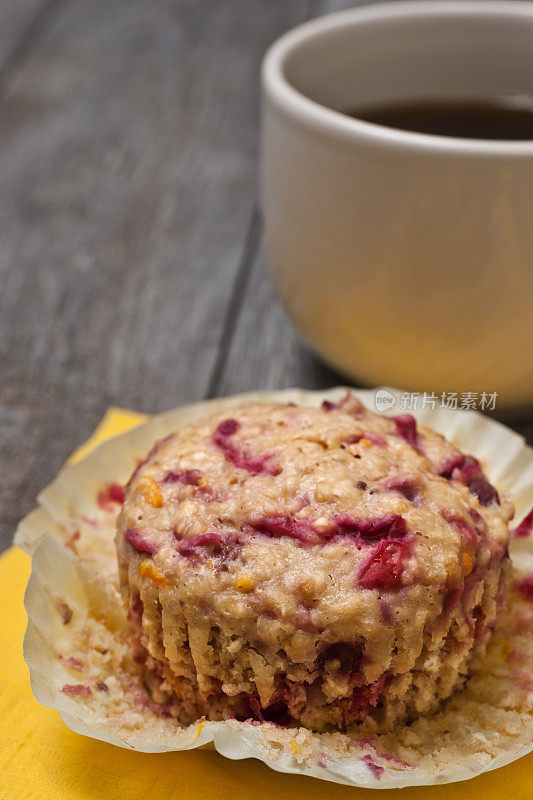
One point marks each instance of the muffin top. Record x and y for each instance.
(304, 510)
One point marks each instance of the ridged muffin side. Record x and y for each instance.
(321, 567)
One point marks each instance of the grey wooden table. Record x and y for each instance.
(131, 264)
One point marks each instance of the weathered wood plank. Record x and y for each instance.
(20, 24)
(127, 156)
(129, 263)
(265, 351)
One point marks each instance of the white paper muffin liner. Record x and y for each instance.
(84, 575)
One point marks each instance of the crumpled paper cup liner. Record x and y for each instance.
(77, 628)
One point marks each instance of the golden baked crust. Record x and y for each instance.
(323, 566)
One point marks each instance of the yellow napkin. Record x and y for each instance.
(41, 759)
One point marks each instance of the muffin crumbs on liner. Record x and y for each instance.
(493, 714)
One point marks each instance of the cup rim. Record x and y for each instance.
(328, 121)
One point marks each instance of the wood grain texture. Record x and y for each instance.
(131, 265)
(128, 162)
(21, 24)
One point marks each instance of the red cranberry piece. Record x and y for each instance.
(276, 526)
(525, 587)
(72, 663)
(349, 404)
(374, 768)
(136, 609)
(371, 530)
(467, 470)
(255, 465)
(387, 612)
(190, 477)
(329, 405)
(365, 697)
(76, 690)
(223, 546)
(228, 427)
(198, 546)
(468, 533)
(172, 477)
(116, 493)
(384, 567)
(140, 542)
(110, 495)
(451, 463)
(407, 487)
(392, 759)
(484, 491)
(406, 428)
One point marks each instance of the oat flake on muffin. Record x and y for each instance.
(321, 567)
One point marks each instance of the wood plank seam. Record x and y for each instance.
(251, 247)
(24, 44)
(250, 252)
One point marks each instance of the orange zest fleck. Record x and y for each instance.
(295, 749)
(148, 570)
(467, 564)
(150, 491)
(244, 584)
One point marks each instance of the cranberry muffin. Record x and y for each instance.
(317, 567)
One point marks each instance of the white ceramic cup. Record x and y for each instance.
(403, 258)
